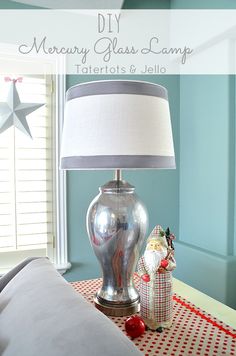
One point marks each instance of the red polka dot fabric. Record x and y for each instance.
(194, 332)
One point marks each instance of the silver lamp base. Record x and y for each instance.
(116, 224)
(115, 310)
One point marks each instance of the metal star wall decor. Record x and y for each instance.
(13, 112)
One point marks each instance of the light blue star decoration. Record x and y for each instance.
(13, 112)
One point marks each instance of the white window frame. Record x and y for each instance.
(61, 249)
(60, 246)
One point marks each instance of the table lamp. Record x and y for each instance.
(117, 124)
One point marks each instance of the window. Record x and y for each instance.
(32, 188)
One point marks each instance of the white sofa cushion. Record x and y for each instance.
(41, 314)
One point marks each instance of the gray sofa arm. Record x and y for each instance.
(41, 314)
(11, 274)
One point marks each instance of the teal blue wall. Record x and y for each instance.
(205, 249)
(148, 4)
(206, 246)
(205, 170)
(203, 4)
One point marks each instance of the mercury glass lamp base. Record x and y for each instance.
(117, 224)
(115, 310)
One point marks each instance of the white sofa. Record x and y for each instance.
(41, 314)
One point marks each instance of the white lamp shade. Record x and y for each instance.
(117, 124)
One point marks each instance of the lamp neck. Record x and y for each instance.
(118, 175)
(117, 185)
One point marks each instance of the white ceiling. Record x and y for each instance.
(74, 4)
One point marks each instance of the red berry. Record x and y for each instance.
(134, 326)
(146, 277)
(164, 263)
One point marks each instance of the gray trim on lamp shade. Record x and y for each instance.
(116, 87)
(117, 161)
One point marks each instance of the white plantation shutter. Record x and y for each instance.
(26, 171)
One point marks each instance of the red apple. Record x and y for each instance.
(146, 277)
(164, 263)
(134, 326)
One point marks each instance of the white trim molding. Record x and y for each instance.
(60, 244)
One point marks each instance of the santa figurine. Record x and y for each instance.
(154, 269)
